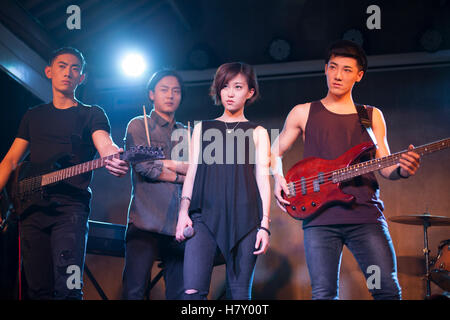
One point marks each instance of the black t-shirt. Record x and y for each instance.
(54, 134)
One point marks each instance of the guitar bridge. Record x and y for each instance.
(291, 187)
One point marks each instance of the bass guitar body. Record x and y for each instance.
(312, 184)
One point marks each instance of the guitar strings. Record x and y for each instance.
(345, 174)
(390, 159)
(309, 182)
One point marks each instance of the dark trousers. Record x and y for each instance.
(143, 248)
(53, 244)
(372, 247)
(199, 262)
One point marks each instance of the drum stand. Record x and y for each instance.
(426, 220)
(426, 252)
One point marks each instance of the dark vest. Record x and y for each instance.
(328, 135)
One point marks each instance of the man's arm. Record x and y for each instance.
(16, 153)
(409, 162)
(106, 147)
(169, 172)
(158, 170)
(293, 127)
(179, 167)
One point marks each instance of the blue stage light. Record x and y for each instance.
(133, 65)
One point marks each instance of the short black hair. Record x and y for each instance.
(228, 71)
(157, 76)
(70, 50)
(347, 48)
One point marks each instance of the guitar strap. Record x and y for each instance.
(365, 122)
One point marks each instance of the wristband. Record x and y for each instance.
(265, 229)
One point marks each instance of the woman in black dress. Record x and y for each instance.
(226, 192)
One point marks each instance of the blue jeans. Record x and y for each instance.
(370, 244)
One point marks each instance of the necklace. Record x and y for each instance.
(231, 130)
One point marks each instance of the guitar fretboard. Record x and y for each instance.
(387, 161)
(81, 168)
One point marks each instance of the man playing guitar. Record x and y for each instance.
(53, 236)
(329, 128)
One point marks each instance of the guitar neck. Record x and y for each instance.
(384, 162)
(75, 170)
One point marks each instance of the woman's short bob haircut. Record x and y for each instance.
(228, 71)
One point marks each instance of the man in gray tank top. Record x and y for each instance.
(329, 128)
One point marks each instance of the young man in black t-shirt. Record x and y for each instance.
(53, 237)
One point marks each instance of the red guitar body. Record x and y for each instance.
(309, 192)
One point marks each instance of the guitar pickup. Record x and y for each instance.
(316, 185)
(321, 178)
(317, 182)
(303, 185)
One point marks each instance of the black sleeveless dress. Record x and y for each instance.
(225, 191)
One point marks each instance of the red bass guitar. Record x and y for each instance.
(315, 184)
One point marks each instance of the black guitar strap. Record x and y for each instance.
(365, 122)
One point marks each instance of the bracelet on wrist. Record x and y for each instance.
(399, 174)
(185, 198)
(265, 229)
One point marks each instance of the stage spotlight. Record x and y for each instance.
(133, 65)
(280, 49)
(431, 40)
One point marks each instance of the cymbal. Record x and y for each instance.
(419, 219)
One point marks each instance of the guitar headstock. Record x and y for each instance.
(135, 154)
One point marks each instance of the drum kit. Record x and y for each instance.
(437, 270)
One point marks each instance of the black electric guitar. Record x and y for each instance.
(27, 183)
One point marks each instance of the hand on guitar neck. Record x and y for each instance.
(116, 166)
(409, 163)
